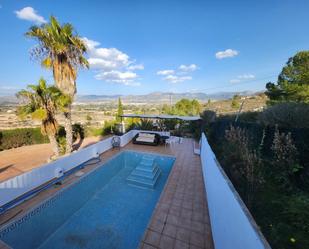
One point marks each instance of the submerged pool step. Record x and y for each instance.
(145, 174)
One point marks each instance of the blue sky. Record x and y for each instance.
(137, 47)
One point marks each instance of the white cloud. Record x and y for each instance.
(176, 78)
(242, 77)
(246, 76)
(165, 72)
(226, 53)
(112, 65)
(179, 75)
(30, 14)
(188, 68)
(136, 67)
(126, 78)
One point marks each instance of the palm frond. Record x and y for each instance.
(39, 114)
(47, 63)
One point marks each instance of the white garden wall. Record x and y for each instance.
(231, 223)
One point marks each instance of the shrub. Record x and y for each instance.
(108, 128)
(208, 116)
(78, 133)
(243, 163)
(289, 115)
(145, 124)
(19, 137)
(279, 158)
(285, 159)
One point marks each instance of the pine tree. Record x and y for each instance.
(120, 111)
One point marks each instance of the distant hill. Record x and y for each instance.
(151, 98)
(160, 97)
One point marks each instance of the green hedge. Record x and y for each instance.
(19, 137)
(282, 213)
(216, 133)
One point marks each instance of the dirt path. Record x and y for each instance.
(19, 160)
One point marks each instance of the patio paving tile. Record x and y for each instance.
(153, 238)
(181, 245)
(183, 234)
(166, 242)
(170, 230)
(156, 225)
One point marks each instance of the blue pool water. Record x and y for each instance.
(101, 210)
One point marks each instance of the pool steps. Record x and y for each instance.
(145, 174)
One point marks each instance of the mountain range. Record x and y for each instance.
(151, 98)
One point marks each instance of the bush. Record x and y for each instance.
(78, 133)
(107, 129)
(289, 115)
(242, 163)
(19, 137)
(145, 124)
(279, 203)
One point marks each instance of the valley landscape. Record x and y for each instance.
(94, 110)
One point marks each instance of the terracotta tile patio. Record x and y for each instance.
(180, 219)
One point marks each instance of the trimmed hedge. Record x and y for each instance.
(19, 137)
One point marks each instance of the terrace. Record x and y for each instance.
(182, 218)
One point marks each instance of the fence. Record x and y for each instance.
(231, 223)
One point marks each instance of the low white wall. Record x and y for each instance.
(126, 138)
(232, 226)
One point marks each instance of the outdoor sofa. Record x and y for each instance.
(147, 138)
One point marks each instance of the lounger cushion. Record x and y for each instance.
(146, 138)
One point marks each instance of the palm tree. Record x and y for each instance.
(61, 50)
(42, 102)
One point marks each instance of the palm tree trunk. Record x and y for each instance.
(54, 144)
(68, 130)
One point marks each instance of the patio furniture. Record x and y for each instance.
(173, 140)
(164, 138)
(147, 138)
(116, 142)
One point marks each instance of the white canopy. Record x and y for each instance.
(184, 118)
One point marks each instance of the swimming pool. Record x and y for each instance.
(101, 210)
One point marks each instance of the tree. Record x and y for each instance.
(187, 107)
(235, 101)
(42, 102)
(61, 50)
(293, 81)
(88, 118)
(166, 109)
(120, 111)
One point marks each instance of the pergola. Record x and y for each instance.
(146, 116)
